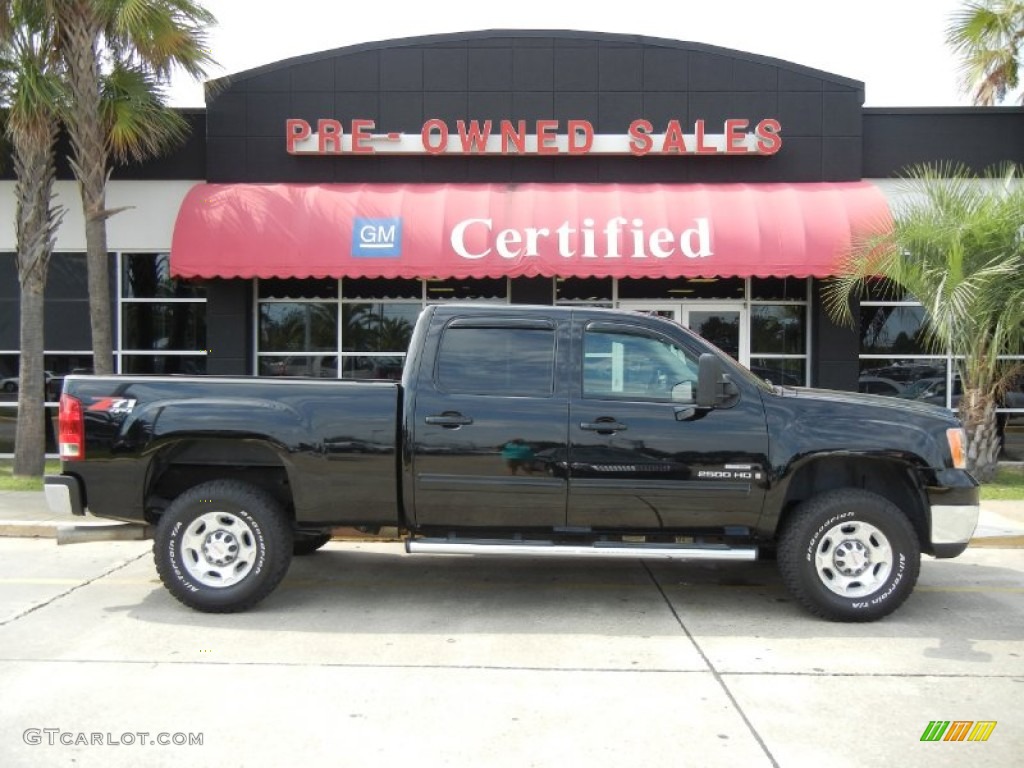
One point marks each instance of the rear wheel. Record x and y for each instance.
(222, 546)
(849, 555)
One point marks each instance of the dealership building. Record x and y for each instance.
(322, 201)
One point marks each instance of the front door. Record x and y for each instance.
(723, 323)
(641, 455)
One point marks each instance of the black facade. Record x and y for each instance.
(609, 80)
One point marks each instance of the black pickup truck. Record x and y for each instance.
(536, 431)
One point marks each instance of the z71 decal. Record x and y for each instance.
(113, 405)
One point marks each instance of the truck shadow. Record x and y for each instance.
(370, 589)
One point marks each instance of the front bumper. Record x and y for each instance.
(955, 505)
(63, 495)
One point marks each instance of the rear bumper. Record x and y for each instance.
(955, 506)
(63, 495)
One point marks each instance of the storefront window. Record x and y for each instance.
(361, 288)
(160, 313)
(682, 289)
(164, 364)
(892, 329)
(66, 334)
(295, 327)
(178, 327)
(317, 366)
(350, 339)
(382, 328)
(372, 366)
(8, 429)
(778, 289)
(296, 288)
(1011, 417)
(778, 343)
(148, 276)
(377, 327)
(483, 289)
(781, 371)
(586, 291)
(882, 290)
(778, 329)
(917, 378)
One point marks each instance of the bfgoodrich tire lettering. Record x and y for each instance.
(849, 555)
(222, 546)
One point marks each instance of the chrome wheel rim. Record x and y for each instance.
(853, 559)
(218, 549)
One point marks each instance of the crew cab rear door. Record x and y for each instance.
(489, 422)
(642, 455)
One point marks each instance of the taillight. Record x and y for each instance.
(71, 426)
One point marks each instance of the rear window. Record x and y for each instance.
(497, 361)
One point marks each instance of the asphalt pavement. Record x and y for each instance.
(366, 656)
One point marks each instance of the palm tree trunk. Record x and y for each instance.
(37, 222)
(82, 27)
(978, 414)
(30, 434)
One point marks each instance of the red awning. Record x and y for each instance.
(494, 230)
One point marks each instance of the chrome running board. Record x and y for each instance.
(600, 549)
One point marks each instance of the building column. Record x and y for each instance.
(229, 327)
(834, 348)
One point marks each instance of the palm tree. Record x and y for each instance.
(137, 44)
(988, 36)
(31, 87)
(957, 246)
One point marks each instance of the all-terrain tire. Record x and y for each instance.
(849, 555)
(222, 546)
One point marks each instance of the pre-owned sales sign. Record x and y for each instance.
(538, 137)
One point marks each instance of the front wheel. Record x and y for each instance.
(222, 546)
(849, 555)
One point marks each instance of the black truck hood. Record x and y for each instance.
(859, 400)
(803, 422)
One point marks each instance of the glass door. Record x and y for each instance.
(724, 324)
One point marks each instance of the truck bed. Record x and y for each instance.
(340, 437)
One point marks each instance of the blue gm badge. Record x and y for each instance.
(377, 238)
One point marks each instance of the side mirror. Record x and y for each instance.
(712, 386)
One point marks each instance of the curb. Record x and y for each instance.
(998, 542)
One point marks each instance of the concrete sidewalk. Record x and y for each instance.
(25, 514)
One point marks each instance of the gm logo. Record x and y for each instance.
(377, 238)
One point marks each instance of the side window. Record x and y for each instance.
(632, 366)
(497, 361)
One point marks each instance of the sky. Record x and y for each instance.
(896, 47)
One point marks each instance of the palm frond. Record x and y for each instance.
(139, 124)
(987, 35)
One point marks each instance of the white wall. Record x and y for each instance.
(147, 225)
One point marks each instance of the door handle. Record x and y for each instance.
(449, 420)
(602, 426)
